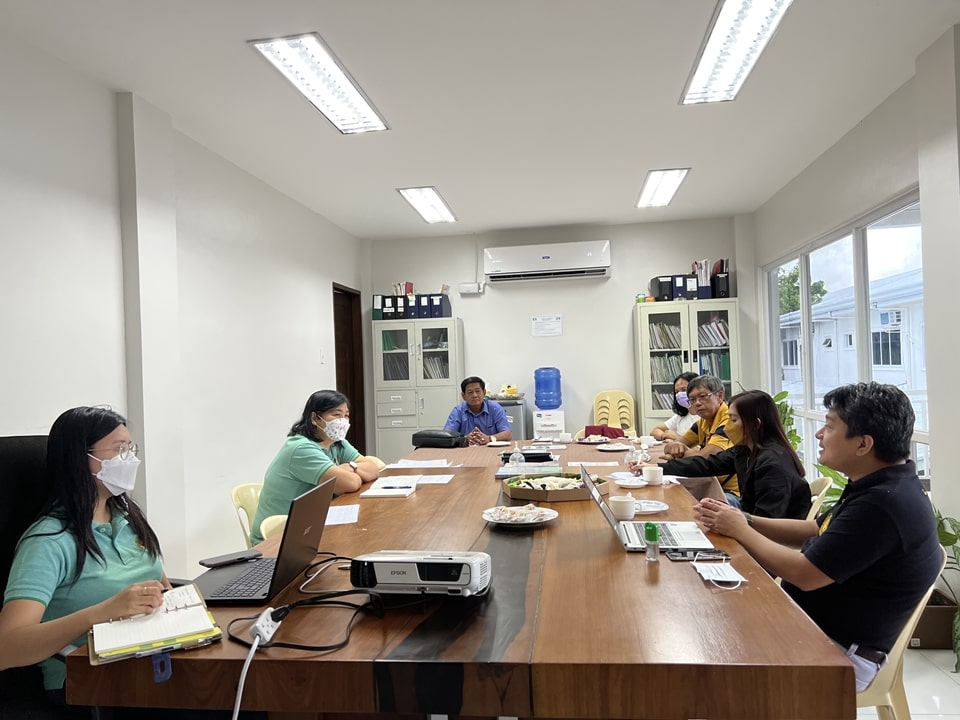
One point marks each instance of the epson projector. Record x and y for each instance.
(417, 573)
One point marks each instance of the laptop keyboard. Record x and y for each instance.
(667, 537)
(249, 584)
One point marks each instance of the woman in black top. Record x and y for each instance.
(770, 473)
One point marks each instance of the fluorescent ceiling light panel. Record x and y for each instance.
(427, 202)
(660, 186)
(315, 71)
(739, 34)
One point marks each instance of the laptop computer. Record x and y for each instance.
(256, 581)
(684, 536)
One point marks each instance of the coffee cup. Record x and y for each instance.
(653, 475)
(623, 506)
(647, 440)
(565, 437)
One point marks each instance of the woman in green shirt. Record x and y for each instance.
(316, 449)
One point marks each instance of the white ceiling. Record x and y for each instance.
(521, 112)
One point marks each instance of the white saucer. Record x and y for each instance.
(648, 507)
(638, 483)
(498, 443)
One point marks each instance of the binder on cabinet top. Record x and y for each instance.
(440, 305)
(423, 306)
(399, 307)
(378, 307)
(412, 308)
(389, 313)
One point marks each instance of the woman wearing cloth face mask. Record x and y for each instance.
(315, 450)
(683, 419)
(90, 557)
(769, 471)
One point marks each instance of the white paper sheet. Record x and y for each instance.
(435, 479)
(419, 463)
(343, 514)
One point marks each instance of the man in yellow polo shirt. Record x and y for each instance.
(707, 437)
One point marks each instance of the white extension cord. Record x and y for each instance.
(261, 631)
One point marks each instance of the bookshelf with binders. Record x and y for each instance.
(699, 336)
(418, 366)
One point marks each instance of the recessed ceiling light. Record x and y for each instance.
(660, 186)
(315, 71)
(739, 33)
(427, 202)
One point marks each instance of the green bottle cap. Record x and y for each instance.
(651, 532)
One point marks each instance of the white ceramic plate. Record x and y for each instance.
(584, 441)
(493, 515)
(498, 443)
(648, 507)
(639, 482)
(613, 447)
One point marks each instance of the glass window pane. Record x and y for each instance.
(790, 370)
(896, 305)
(833, 315)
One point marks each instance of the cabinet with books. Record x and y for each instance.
(418, 366)
(697, 336)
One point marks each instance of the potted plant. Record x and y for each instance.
(785, 410)
(948, 529)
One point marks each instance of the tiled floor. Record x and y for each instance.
(933, 689)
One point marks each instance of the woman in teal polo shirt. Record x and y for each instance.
(316, 449)
(90, 557)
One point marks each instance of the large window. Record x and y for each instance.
(849, 308)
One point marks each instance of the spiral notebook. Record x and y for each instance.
(181, 623)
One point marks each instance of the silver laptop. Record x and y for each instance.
(255, 582)
(673, 535)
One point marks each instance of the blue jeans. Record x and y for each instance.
(733, 500)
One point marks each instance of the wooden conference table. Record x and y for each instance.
(574, 627)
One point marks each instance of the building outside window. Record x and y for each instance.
(815, 295)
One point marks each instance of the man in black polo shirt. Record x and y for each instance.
(865, 563)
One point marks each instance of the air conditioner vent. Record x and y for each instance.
(561, 261)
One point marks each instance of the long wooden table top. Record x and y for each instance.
(574, 627)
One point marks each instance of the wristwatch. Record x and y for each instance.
(353, 465)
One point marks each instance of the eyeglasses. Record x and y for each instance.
(699, 398)
(125, 452)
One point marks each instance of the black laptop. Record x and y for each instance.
(256, 581)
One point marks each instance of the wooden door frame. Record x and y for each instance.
(351, 374)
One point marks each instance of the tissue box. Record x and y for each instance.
(522, 493)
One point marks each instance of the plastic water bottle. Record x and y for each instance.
(547, 388)
(651, 536)
(517, 458)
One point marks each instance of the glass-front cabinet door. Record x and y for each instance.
(712, 353)
(435, 353)
(665, 353)
(394, 345)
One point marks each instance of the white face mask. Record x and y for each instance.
(336, 429)
(118, 476)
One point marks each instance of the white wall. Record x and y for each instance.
(60, 266)
(256, 272)
(253, 284)
(596, 350)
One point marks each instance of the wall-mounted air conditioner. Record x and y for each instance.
(547, 262)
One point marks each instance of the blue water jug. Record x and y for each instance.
(547, 393)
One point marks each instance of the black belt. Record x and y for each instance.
(874, 656)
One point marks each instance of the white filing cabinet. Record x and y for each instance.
(548, 424)
(418, 368)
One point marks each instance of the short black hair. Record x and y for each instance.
(470, 381)
(677, 407)
(881, 411)
(319, 402)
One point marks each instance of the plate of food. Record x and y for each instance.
(614, 447)
(648, 507)
(593, 440)
(637, 482)
(523, 516)
(498, 443)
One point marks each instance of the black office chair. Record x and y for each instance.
(23, 483)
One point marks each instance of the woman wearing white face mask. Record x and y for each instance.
(90, 557)
(316, 449)
(682, 419)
